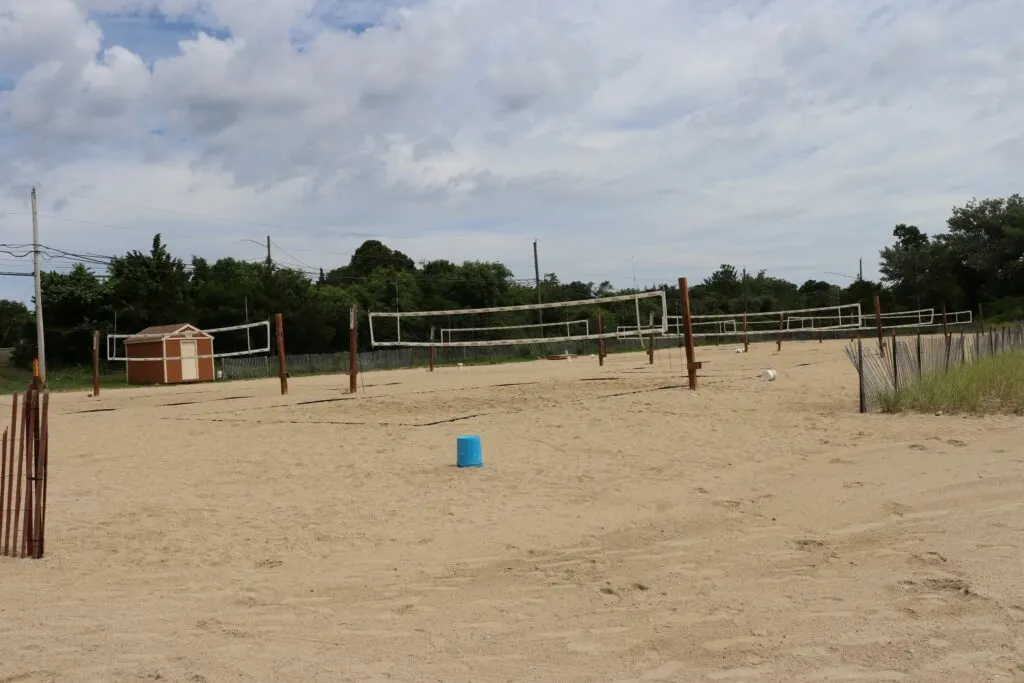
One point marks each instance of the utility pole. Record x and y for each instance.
(860, 269)
(536, 277)
(40, 337)
(270, 261)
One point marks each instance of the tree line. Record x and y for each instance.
(978, 259)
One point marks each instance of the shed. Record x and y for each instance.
(169, 354)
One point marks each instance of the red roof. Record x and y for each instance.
(161, 332)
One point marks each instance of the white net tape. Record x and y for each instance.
(584, 311)
(446, 332)
(254, 337)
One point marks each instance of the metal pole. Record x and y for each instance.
(40, 336)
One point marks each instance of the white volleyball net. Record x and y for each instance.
(922, 317)
(248, 339)
(555, 322)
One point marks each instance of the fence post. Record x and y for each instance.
(860, 375)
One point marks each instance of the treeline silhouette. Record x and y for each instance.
(978, 259)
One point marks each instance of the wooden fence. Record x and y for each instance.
(24, 457)
(899, 362)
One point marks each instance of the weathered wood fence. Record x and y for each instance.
(23, 476)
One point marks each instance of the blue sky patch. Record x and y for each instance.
(150, 35)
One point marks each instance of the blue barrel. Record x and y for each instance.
(469, 452)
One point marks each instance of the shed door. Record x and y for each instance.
(189, 362)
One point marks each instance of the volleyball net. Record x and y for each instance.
(546, 323)
(838, 318)
(164, 342)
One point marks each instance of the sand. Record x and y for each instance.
(623, 529)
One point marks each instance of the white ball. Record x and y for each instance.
(768, 375)
(739, 350)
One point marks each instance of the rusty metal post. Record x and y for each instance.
(600, 340)
(650, 349)
(95, 362)
(778, 340)
(353, 349)
(282, 362)
(691, 364)
(878, 325)
(433, 357)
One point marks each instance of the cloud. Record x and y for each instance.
(677, 134)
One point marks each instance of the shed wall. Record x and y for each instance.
(145, 371)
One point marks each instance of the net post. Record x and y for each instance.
(432, 355)
(600, 340)
(746, 339)
(650, 349)
(684, 304)
(778, 340)
(95, 363)
(352, 350)
(282, 363)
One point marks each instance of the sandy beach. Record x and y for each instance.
(623, 529)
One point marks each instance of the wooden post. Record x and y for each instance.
(778, 341)
(433, 357)
(650, 349)
(878, 325)
(981, 318)
(353, 349)
(691, 364)
(282, 362)
(95, 362)
(600, 340)
(35, 372)
(746, 340)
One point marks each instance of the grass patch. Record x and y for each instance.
(990, 385)
(59, 379)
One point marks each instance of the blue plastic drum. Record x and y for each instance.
(469, 452)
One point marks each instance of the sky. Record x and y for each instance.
(652, 139)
